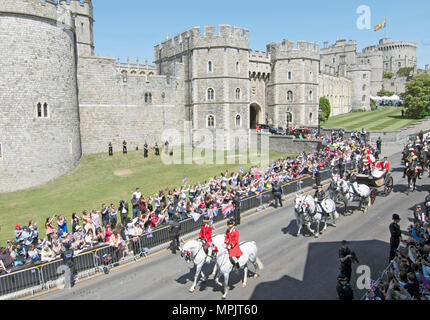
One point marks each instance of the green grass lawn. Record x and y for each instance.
(94, 182)
(385, 118)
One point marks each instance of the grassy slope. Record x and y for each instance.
(385, 118)
(94, 183)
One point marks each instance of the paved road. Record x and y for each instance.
(295, 268)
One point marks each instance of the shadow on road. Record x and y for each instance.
(321, 272)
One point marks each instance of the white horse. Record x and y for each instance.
(194, 251)
(352, 191)
(249, 250)
(305, 213)
(327, 208)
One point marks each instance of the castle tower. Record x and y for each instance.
(360, 75)
(293, 85)
(216, 74)
(84, 21)
(39, 119)
(375, 60)
(396, 54)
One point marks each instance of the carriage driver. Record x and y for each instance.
(206, 236)
(319, 194)
(232, 243)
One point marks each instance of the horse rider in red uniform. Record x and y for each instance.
(206, 237)
(384, 166)
(232, 243)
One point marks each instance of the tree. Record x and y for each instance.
(325, 108)
(417, 97)
(384, 92)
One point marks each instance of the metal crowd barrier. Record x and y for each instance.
(45, 273)
(383, 274)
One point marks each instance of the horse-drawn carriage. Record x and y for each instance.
(375, 184)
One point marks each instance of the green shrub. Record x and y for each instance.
(325, 108)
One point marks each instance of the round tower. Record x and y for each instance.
(360, 75)
(39, 117)
(293, 85)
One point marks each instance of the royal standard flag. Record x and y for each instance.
(381, 25)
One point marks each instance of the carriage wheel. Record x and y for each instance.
(372, 196)
(388, 186)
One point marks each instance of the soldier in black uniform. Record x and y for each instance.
(67, 256)
(427, 204)
(124, 147)
(145, 150)
(396, 236)
(347, 257)
(319, 194)
(236, 204)
(344, 289)
(110, 149)
(379, 145)
(317, 177)
(174, 230)
(277, 193)
(157, 150)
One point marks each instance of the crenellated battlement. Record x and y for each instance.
(208, 37)
(60, 11)
(290, 49)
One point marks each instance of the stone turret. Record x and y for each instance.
(39, 126)
(293, 85)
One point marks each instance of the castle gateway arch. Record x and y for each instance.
(255, 115)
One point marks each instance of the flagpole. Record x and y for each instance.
(385, 27)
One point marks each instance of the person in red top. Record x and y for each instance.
(206, 236)
(232, 243)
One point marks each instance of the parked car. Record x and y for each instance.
(300, 131)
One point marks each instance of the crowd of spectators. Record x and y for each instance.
(408, 275)
(116, 225)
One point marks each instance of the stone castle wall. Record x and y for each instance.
(338, 91)
(114, 108)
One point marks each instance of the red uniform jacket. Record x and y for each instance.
(232, 238)
(206, 234)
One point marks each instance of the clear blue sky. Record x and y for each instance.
(131, 28)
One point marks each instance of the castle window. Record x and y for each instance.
(238, 121)
(364, 87)
(148, 97)
(400, 64)
(334, 60)
(211, 94)
(363, 98)
(133, 72)
(290, 96)
(82, 27)
(289, 75)
(45, 110)
(237, 67)
(289, 118)
(311, 95)
(124, 75)
(163, 96)
(310, 117)
(238, 94)
(364, 76)
(210, 67)
(211, 121)
(39, 110)
(142, 73)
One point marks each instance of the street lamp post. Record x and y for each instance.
(319, 127)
